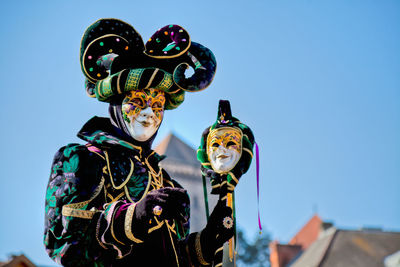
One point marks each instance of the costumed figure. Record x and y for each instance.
(225, 153)
(108, 202)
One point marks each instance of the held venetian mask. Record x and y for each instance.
(143, 112)
(224, 148)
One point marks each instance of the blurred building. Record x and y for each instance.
(320, 244)
(182, 165)
(17, 261)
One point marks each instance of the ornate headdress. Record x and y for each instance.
(115, 60)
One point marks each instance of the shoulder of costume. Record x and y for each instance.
(155, 157)
(72, 149)
(69, 150)
(70, 159)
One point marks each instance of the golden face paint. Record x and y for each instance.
(135, 101)
(143, 112)
(224, 148)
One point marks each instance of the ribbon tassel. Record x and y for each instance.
(258, 185)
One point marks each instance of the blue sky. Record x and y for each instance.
(317, 81)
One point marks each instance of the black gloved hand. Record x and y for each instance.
(173, 202)
(215, 179)
(218, 230)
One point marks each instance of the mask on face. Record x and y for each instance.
(224, 148)
(143, 112)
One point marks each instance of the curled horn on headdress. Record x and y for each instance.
(202, 60)
(101, 43)
(172, 42)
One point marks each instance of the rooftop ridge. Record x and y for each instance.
(177, 150)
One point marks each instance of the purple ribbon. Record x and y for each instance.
(258, 185)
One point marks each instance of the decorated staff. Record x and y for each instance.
(225, 153)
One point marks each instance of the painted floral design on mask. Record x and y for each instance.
(143, 112)
(224, 148)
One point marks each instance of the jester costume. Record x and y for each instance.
(108, 202)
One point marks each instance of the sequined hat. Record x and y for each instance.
(115, 60)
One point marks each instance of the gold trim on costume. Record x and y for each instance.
(231, 187)
(171, 227)
(173, 246)
(248, 151)
(144, 194)
(135, 147)
(127, 194)
(169, 182)
(93, 80)
(128, 224)
(111, 178)
(112, 229)
(75, 209)
(177, 55)
(151, 78)
(166, 82)
(158, 226)
(97, 233)
(106, 86)
(133, 79)
(199, 253)
(174, 92)
(118, 81)
(116, 198)
(98, 88)
(234, 178)
(98, 154)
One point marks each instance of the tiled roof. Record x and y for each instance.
(350, 248)
(308, 234)
(177, 150)
(17, 261)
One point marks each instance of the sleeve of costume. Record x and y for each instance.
(70, 214)
(80, 229)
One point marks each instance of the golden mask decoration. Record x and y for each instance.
(224, 148)
(135, 101)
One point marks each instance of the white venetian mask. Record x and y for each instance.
(224, 148)
(143, 112)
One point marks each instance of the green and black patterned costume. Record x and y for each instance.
(100, 198)
(99, 176)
